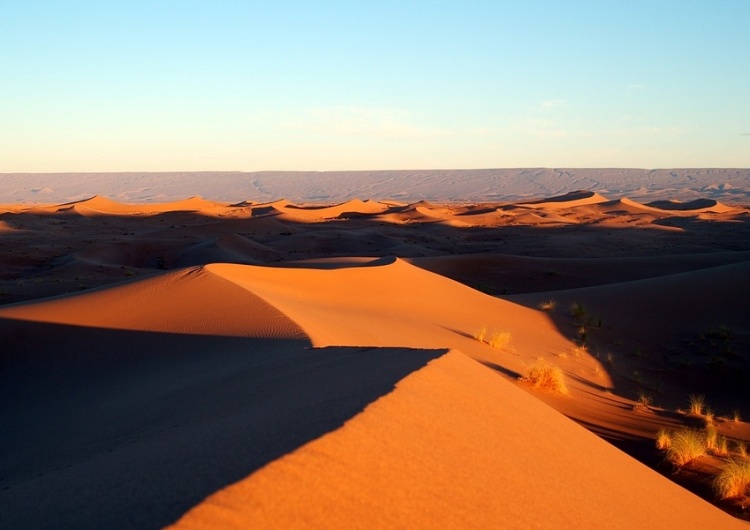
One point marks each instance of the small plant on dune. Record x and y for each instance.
(687, 445)
(481, 334)
(578, 311)
(712, 436)
(722, 446)
(645, 400)
(663, 439)
(733, 479)
(545, 375)
(697, 402)
(582, 334)
(709, 417)
(548, 305)
(741, 448)
(736, 416)
(580, 351)
(500, 339)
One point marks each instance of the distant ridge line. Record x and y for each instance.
(727, 185)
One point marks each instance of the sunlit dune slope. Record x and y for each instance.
(456, 447)
(191, 301)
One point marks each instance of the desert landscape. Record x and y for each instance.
(391, 359)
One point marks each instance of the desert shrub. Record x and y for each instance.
(697, 402)
(500, 339)
(663, 439)
(712, 436)
(645, 400)
(733, 479)
(481, 334)
(578, 311)
(741, 448)
(548, 305)
(687, 445)
(722, 446)
(736, 416)
(545, 375)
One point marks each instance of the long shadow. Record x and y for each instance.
(111, 428)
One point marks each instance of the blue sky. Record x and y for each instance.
(221, 85)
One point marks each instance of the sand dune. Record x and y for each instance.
(487, 467)
(569, 200)
(286, 364)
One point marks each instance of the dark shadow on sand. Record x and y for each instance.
(111, 428)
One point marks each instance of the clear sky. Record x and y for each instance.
(282, 85)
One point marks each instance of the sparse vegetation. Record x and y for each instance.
(580, 351)
(663, 439)
(548, 305)
(712, 436)
(736, 416)
(578, 311)
(733, 480)
(741, 448)
(645, 400)
(545, 375)
(697, 402)
(686, 445)
(498, 339)
(722, 446)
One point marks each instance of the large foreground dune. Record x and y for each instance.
(208, 364)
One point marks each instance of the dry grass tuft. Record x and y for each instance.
(733, 480)
(645, 400)
(545, 375)
(500, 339)
(548, 305)
(687, 445)
(722, 446)
(741, 448)
(736, 416)
(481, 334)
(663, 439)
(712, 437)
(697, 402)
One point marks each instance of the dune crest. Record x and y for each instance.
(488, 467)
(287, 363)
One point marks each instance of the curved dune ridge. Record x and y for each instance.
(454, 445)
(697, 205)
(287, 370)
(569, 200)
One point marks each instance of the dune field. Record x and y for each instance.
(372, 363)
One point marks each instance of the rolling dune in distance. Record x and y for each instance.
(257, 361)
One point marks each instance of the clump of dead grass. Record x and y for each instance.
(663, 439)
(741, 448)
(697, 402)
(500, 339)
(497, 340)
(733, 480)
(543, 374)
(644, 401)
(548, 305)
(686, 445)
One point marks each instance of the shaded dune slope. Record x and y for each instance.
(172, 388)
(487, 466)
